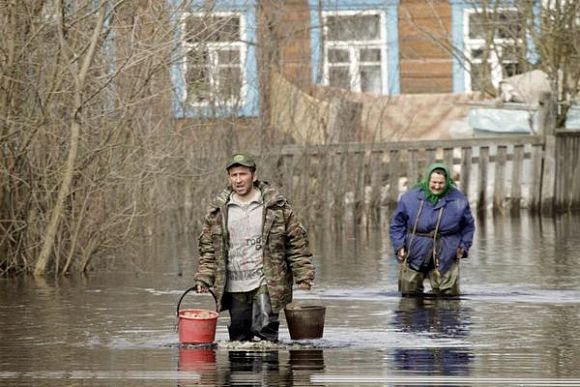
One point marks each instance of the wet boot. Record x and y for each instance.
(446, 284)
(270, 331)
(240, 328)
(265, 323)
(410, 281)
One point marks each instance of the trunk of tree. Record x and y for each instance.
(75, 129)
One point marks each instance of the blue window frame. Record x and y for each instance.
(214, 67)
(472, 51)
(355, 45)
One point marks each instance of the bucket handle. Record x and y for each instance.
(189, 290)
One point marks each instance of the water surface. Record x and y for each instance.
(517, 322)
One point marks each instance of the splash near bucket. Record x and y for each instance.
(305, 321)
(196, 326)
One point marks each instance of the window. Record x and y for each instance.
(214, 70)
(354, 51)
(214, 54)
(494, 46)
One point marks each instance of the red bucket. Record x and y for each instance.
(196, 326)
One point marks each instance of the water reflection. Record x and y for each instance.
(210, 367)
(518, 318)
(306, 360)
(446, 323)
(199, 360)
(254, 368)
(303, 364)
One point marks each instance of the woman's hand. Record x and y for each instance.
(401, 254)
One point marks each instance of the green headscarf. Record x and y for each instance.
(424, 184)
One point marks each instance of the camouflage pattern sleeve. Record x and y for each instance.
(207, 255)
(298, 252)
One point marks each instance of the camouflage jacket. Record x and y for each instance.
(286, 253)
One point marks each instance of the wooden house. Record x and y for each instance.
(346, 60)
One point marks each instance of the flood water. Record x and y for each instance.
(517, 323)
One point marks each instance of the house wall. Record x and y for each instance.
(411, 116)
(286, 37)
(425, 58)
(150, 79)
(284, 46)
(143, 36)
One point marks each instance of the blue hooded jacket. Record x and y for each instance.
(456, 228)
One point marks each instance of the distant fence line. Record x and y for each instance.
(540, 173)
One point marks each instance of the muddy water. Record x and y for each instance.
(516, 324)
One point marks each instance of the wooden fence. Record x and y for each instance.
(567, 170)
(504, 173)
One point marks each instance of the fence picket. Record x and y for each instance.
(499, 179)
(373, 175)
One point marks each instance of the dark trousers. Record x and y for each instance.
(251, 316)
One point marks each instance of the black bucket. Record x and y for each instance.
(305, 321)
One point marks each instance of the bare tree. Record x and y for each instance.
(79, 76)
(557, 38)
(91, 157)
(504, 38)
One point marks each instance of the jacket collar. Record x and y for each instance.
(270, 195)
(440, 203)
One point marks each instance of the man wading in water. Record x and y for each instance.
(252, 247)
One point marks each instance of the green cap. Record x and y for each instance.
(243, 159)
